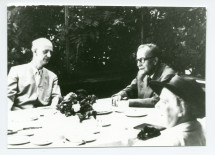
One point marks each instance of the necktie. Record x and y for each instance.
(148, 80)
(38, 76)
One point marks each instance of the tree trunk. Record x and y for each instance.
(67, 55)
(142, 26)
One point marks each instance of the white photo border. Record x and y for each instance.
(210, 84)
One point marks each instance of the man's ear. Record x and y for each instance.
(35, 51)
(182, 106)
(156, 61)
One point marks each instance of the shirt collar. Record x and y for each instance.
(35, 70)
(151, 76)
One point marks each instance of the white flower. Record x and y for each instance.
(76, 107)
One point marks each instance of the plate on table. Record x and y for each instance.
(11, 132)
(96, 131)
(119, 110)
(42, 138)
(40, 141)
(105, 123)
(104, 112)
(26, 132)
(75, 140)
(30, 131)
(89, 138)
(135, 113)
(24, 119)
(46, 107)
(18, 140)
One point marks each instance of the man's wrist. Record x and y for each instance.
(123, 103)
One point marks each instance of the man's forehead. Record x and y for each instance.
(144, 52)
(46, 47)
(42, 42)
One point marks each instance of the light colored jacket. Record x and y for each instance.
(23, 91)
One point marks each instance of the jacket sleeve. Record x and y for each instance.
(130, 91)
(12, 80)
(168, 73)
(56, 92)
(146, 102)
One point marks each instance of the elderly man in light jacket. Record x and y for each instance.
(32, 85)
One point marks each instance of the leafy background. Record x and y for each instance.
(95, 46)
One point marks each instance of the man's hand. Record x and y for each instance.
(55, 102)
(122, 104)
(116, 99)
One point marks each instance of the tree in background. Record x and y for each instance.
(93, 39)
(26, 23)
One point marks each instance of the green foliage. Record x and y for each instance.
(100, 38)
(27, 23)
(184, 38)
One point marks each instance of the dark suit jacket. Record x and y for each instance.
(23, 91)
(139, 87)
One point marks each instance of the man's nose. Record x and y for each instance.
(138, 63)
(49, 54)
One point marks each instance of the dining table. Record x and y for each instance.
(47, 127)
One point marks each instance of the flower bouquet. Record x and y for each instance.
(79, 103)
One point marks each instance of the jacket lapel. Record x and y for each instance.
(158, 72)
(44, 79)
(148, 91)
(32, 74)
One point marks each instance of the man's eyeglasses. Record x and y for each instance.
(142, 60)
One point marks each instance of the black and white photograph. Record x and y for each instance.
(106, 76)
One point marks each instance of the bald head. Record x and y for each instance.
(151, 49)
(42, 50)
(41, 42)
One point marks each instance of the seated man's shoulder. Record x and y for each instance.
(167, 73)
(168, 69)
(20, 67)
(50, 73)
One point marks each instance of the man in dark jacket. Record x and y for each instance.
(150, 68)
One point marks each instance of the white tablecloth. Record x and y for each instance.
(57, 130)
